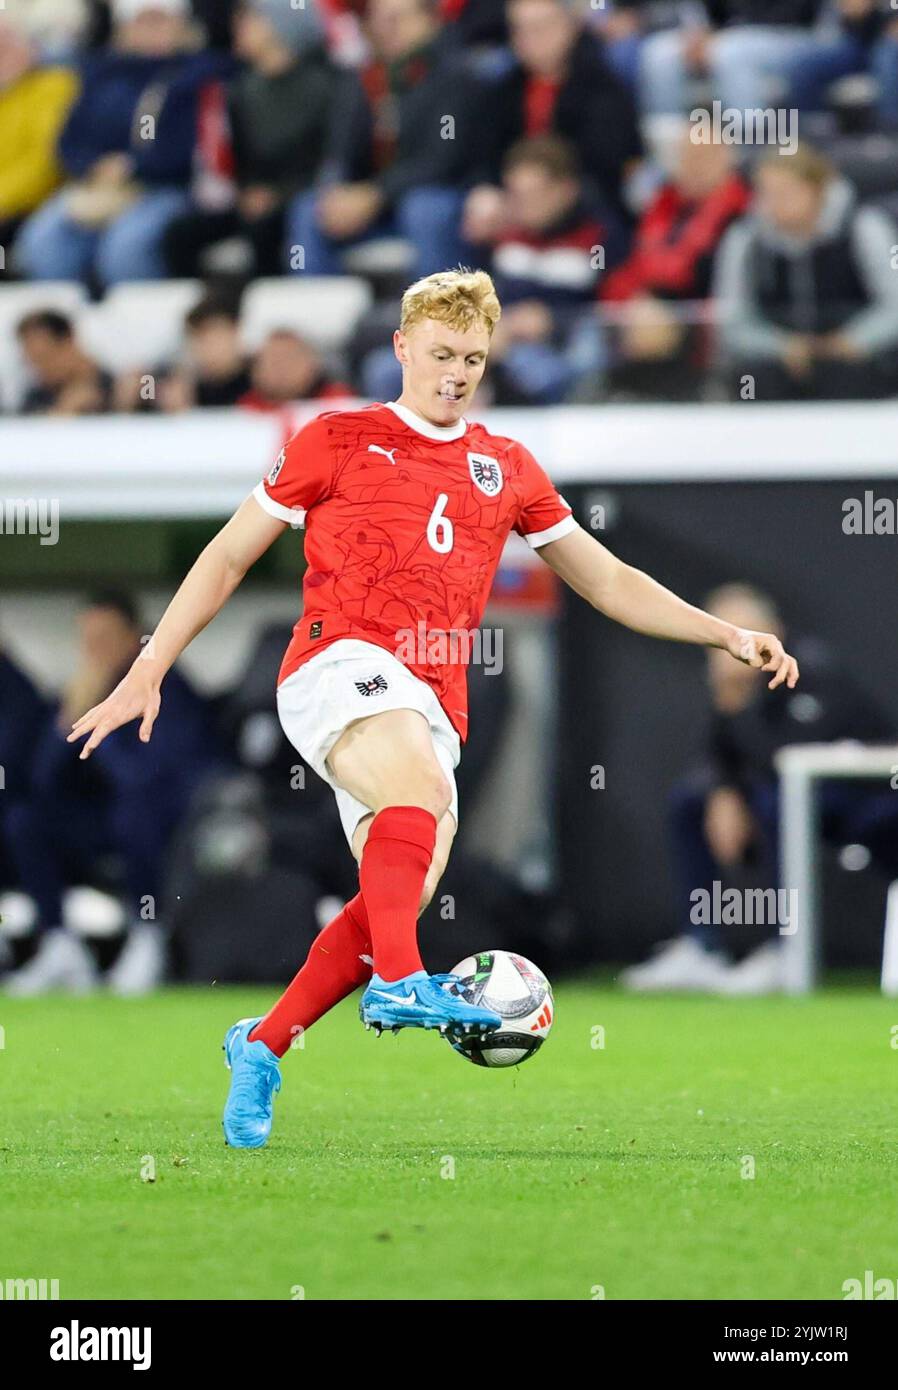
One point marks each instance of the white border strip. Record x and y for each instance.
(203, 463)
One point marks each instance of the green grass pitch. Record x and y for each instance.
(617, 1167)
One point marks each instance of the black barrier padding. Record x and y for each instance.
(637, 706)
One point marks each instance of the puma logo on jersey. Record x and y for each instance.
(373, 687)
(485, 473)
(387, 453)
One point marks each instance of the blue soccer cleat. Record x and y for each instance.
(420, 1000)
(255, 1076)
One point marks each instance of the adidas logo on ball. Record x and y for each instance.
(519, 992)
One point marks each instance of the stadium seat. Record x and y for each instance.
(325, 309)
(138, 323)
(388, 255)
(17, 300)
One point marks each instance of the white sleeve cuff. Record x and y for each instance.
(554, 533)
(294, 516)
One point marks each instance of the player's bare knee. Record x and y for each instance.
(429, 788)
(443, 797)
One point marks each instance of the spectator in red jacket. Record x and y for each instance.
(680, 229)
(671, 261)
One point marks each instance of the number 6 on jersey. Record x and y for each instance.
(439, 528)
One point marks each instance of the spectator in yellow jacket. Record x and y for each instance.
(34, 101)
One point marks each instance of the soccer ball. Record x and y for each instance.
(513, 987)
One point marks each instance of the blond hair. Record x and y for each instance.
(807, 163)
(461, 299)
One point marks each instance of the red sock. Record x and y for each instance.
(332, 970)
(395, 861)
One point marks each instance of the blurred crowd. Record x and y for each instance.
(102, 862)
(212, 852)
(553, 142)
(60, 819)
(153, 860)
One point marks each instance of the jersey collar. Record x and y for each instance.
(415, 422)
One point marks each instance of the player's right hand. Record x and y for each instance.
(137, 696)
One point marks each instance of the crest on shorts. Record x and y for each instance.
(376, 686)
(485, 473)
(276, 468)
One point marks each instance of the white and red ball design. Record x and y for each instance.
(519, 992)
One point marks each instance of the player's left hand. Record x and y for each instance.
(766, 653)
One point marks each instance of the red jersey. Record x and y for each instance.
(405, 526)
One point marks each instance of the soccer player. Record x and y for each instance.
(407, 507)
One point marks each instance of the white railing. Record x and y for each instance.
(203, 463)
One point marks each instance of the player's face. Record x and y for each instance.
(441, 368)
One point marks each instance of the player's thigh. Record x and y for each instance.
(446, 831)
(389, 760)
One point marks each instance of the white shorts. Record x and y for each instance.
(351, 680)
